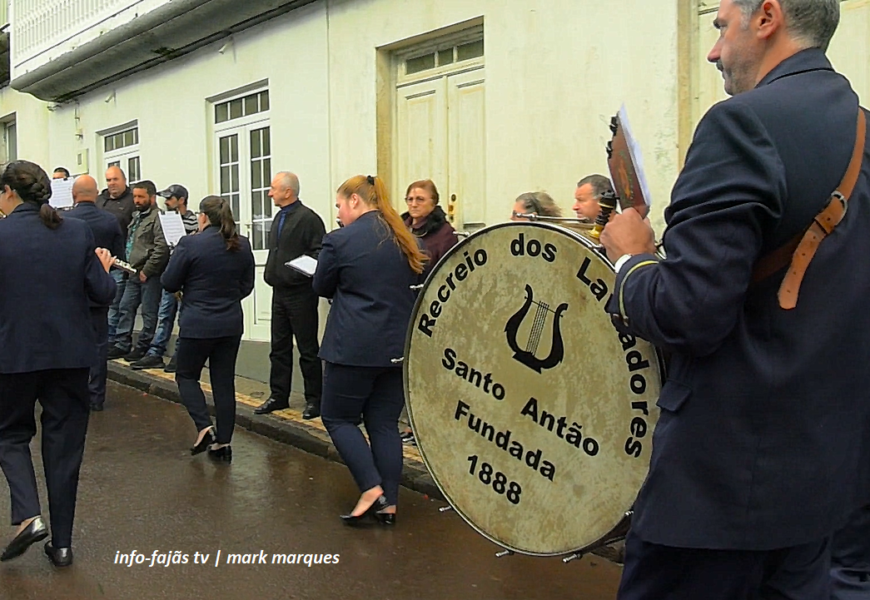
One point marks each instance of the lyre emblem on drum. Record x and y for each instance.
(527, 356)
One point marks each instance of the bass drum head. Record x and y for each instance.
(533, 415)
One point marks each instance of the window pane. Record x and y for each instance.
(234, 203)
(264, 101)
(115, 163)
(257, 205)
(267, 142)
(12, 141)
(225, 180)
(256, 175)
(267, 172)
(133, 169)
(225, 150)
(222, 112)
(109, 143)
(136, 136)
(119, 140)
(421, 63)
(234, 148)
(128, 138)
(445, 57)
(236, 109)
(234, 178)
(259, 236)
(251, 105)
(256, 151)
(467, 51)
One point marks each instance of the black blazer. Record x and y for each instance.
(47, 278)
(762, 440)
(213, 280)
(302, 233)
(105, 227)
(369, 280)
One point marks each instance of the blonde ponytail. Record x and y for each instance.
(374, 193)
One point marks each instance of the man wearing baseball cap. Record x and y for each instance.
(176, 197)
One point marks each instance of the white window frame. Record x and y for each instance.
(122, 156)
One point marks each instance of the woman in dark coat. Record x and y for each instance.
(367, 268)
(49, 271)
(428, 221)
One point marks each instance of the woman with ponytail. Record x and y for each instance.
(367, 268)
(50, 271)
(214, 269)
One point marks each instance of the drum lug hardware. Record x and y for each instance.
(445, 509)
(571, 557)
(504, 553)
(417, 287)
(397, 361)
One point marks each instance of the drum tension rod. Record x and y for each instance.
(445, 509)
(571, 557)
(397, 361)
(416, 287)
(504, 553)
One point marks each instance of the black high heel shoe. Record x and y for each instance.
(206, 441)
(372, 511)
(222, 454)
(388, 519)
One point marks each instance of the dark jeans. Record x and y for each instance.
(165, 322)
(221, 355)
(850, 559)
(136, 294)
(294, 314)
(654, 572)
(376, 393)
(115, 310)
(98, 374)
(63, 394)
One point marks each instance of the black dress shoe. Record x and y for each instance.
(270, 405)
(206, 441)
(33, 533)
(115, 352)
(149, 361)
(59, 557)
(372, 511)
(388, 519)
(312, 411)
(222, 454)
(171, 366)
(134, 355)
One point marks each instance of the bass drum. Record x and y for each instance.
(533, 415)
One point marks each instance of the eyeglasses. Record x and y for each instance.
(416, 200)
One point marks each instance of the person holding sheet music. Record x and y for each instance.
(215, 271)
(176, 202)
(107, 234)
(148, 253)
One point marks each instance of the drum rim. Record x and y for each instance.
(660, 365)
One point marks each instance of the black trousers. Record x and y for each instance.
(221, 355)
(654, 572)
(63, 394)
(376, 394)
(294, 314)
(850, 559)
(99, 370)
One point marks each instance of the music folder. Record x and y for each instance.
(304, 264)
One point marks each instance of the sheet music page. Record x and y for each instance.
(636, 155)
(61, 192)
(173, 227)
(304, 264)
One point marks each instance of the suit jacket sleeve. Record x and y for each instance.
(247, 281)
(326, 276)
(315, 235)
(730, 192)
(99, 285)
(175, 274)
(156, 263)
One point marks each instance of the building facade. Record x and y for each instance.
(487, 98)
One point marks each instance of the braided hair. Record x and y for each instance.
(32, 185)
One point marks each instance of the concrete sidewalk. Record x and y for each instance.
(285, 426)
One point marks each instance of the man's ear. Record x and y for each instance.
(769, 19)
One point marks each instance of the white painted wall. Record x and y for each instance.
(32, 118)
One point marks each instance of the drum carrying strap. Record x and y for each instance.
(799, 251)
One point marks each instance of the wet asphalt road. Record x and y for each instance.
(142, 491)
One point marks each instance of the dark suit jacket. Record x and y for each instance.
(105, 227)
(302, 233)
(369, 280)
(122, 207)
(764, 416)
(214, 281)
(47, 278)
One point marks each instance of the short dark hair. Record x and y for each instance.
(811, 22)
(62, 170)
(599, 183)
(147, 185)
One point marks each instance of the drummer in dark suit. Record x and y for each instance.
(50, 271)
(367, 268)
(215, 271)
(107, 234)
(760, 452)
